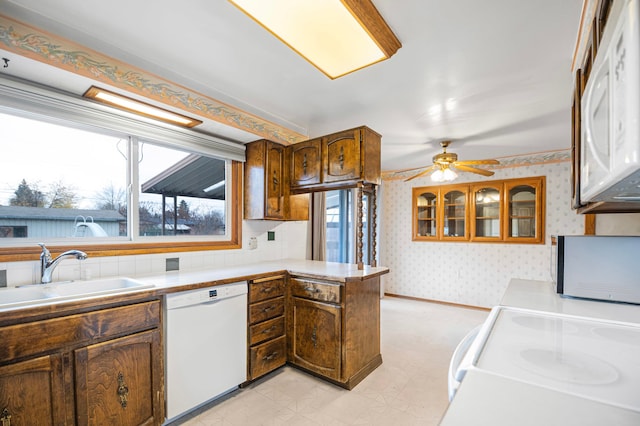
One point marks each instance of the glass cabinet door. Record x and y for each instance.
(425, 214)
(524, 211)
(486, 213)
(454, 203)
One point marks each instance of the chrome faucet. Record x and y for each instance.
(47, 264)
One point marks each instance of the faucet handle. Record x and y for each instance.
(45, 251)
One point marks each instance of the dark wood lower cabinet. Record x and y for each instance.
(90, 366)
(32, 392)
(334, 328)
(115, 381)
(316, 339)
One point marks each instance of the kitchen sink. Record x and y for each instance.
(38, 294)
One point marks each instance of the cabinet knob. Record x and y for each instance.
(341, 158)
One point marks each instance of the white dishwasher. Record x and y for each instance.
(206, 345)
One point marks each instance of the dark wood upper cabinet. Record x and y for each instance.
(306, 163)
(342, 156)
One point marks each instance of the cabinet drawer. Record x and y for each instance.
(316, 290)
(36, 337)
(261, 311)
(266, 330)
(266, 289)
(267, 357)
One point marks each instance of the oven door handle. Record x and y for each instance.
(456, 360)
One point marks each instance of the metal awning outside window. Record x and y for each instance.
(193, 176)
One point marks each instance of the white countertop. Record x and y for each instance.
(542, 296)
(486, 397)
(310, 268)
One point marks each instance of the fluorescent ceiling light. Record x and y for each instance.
(337, 37)
(138, 107)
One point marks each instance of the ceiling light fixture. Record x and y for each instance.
(443, 174)
(336, 36)
(138, 107)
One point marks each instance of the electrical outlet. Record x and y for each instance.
(271, 235)
(172, 264)
(253, 243)
(3, 278)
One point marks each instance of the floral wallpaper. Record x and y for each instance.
(471, 273)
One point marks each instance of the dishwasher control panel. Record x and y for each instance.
(203, 295)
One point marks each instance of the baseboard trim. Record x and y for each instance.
(440, 302)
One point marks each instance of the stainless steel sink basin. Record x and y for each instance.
(38, 294)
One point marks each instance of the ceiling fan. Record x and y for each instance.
(445, 163)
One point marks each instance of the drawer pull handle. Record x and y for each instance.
(266, 289)
(268, 308)
(123, 390)
(269, 330)
(271, 356)
(5, 420)
(314, 336)
(312, 290)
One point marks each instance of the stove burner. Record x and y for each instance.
(569, 367)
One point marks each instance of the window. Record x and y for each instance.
(341, 232)
(68, 183)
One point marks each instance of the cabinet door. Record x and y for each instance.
(341, 153)
(425, 214)
(454, 218)
(118, 382)
(306, 163)
(274, 181)
(486, 212)
(32, 392)
(524, 211)
(316, 337)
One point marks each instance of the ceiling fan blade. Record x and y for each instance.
(464, 168)
(478, 162)
(422, 173)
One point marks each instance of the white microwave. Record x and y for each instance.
(610, 154)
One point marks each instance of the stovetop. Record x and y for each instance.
(595, 359)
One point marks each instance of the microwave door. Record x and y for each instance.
(596, 155)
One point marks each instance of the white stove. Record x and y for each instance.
(584, 357)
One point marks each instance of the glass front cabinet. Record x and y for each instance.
(507, 211)
(524, 211)
(486, 208)
(425, 214)
(454, 203)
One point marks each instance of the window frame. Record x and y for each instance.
(40, 103)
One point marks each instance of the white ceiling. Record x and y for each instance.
(503, 67)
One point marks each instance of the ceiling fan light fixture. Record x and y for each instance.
(444, 174)
(336, 36)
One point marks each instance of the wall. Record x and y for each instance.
(290, 243)
(472, 274)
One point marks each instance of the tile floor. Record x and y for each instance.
(409, 388)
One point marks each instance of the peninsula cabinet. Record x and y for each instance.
(98, 367)
(266, 184)
(334, 328)
(507, 211)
